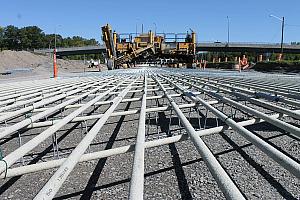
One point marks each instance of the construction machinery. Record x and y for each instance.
(126, 50)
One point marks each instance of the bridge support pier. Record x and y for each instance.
(260, 58)
(279, 58)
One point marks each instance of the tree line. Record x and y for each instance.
(32, 37)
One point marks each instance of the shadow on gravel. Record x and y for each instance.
(40, 155)
(181, 179)
(67, 196)
(284, 193)
(23, 131)
(269, 127)
(90, 187)
(210, 122)
(264, 126)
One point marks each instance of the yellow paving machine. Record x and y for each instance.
(127, 50)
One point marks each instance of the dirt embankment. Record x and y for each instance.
(24, 63)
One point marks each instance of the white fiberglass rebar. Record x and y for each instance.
(137, 178)
(276, 122)
(42, 103)
(10, 129)
(58, 178)
(129, 148)
(53, 104)
(255, 101)
(225, 183)
(266, 96)
(31, 144)
(271, 151)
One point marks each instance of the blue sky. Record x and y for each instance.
(249, 20)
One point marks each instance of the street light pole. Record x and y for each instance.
(55, 38)
(154, 28)
(282, 31)
(136, 29)
(136, 26)
(55, 35)
(228, 31)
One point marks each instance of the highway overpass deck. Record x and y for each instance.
(202, 46)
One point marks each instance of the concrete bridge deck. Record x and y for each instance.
(202, 46)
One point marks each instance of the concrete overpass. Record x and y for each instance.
(202, 46)
(247, 47)
(75, 50)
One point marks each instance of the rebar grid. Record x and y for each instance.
(60, 123)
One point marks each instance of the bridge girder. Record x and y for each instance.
(209, 47)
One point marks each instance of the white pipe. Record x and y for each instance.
(225, 183)
(120, 150)
(285, 161)
(136, 191)
(10, 129)
(38, 104)
(31, 144)
(58, 178)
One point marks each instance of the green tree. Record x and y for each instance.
(1, 38)
(91, 42)
(12, 38)
(59, 41)
(25, 41)
(33, 37)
